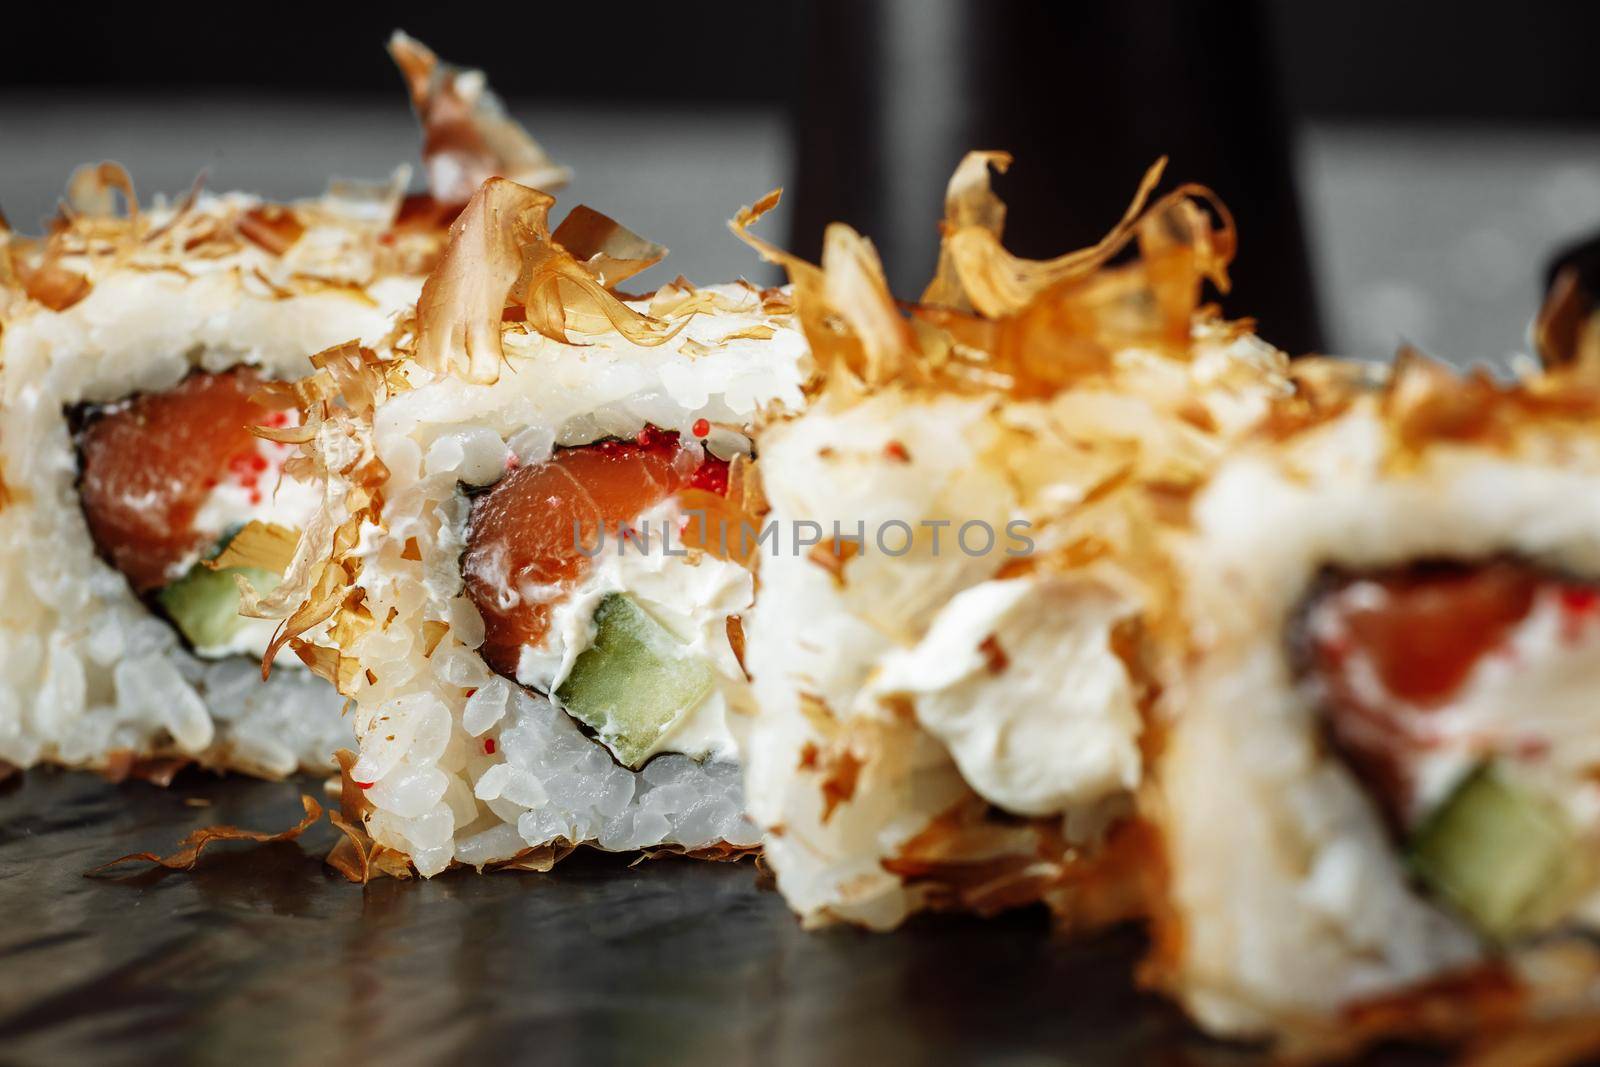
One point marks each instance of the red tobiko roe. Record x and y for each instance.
(1580, 599)
(654, 438)
(711, 475)
(1579, 606)
(488, 746)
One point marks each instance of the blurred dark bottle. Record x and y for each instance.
(1086, 95)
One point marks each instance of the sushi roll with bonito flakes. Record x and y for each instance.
(528, 575)
(954, 647)
(1106, 605)
(141, 354)
(1378, 799)
(146, 436)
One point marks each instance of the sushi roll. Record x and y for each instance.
(146, 434)
(134, 370)
(1377, 801)
(515, 583)
(950, 651)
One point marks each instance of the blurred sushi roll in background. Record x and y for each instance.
(513, 577)
(1377, 801)
(955, 682)
(145, 423)
(133, 372)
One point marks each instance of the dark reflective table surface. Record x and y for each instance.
(264, 955)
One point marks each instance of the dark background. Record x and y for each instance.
(1532, 60)
(1400, 171)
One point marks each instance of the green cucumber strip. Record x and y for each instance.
(634, 682)
(204, 604)
(1501, 856)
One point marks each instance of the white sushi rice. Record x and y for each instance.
(86, 671)
(426, 721)
(1291, 899)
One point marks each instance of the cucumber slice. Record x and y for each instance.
(634, 682)
(1501, 856)
(204, 604)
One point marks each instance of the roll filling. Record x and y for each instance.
(589, 596)
(1448, 686)
(166, 479)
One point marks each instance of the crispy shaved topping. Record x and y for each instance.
(459, 313)
(190, 848)
(260, 545)
(501, 253)
(272, 226)
(93, 189)
(608, 250)
(467, 137)
(991, 320)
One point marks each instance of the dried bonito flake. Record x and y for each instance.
(190, 848)
(263, 545)
(976, 273)
(356, 856)
(858, 335)
(460, 310)
(88, 223)
(264, 249)
(502, 254)
(467, 137)
(335, 245)
(347, 383)
(609, 251)
(990, 320)
(272, 226)
(1567, 330)
(92, 193)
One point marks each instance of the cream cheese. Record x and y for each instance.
(1019, 680)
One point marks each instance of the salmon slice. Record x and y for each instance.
(523, 550)
(148, 465)
(1436, 623)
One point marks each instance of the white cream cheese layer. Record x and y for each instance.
(252, 492)
(689, 592)
(1019, 680)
